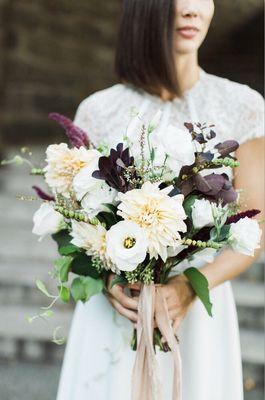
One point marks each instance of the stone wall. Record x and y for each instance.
(54, 53)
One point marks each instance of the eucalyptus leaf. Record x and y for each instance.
(111, 207)
(200, 285)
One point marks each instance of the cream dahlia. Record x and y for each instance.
(91, 238)
(161, 216)
(64, 163)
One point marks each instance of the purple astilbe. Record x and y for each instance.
(42, 195)
(112, 168)
(76, 135)
(249, 213)
(216, 186)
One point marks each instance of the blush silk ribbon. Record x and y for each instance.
(146, 384)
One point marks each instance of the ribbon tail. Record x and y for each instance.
(145, 381)
(164, 325)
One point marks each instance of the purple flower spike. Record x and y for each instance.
(42, 195)
(76, 135)
(249, 213)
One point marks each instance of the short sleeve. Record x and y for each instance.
(251, 118)
(86, 118)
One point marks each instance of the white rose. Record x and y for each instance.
(126, 245)
(92, 192)
(93, 202)
(177, 144)
(245, 236)
(46, 220)
(202, 214)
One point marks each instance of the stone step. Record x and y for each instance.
(249, 294)
(252, 342)
(252, 346)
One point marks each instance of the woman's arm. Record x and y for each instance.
(250, 177)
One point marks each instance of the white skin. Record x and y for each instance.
(178, 292)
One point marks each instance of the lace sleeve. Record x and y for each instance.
(251, 124)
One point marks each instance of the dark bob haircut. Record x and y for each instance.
(144, 53)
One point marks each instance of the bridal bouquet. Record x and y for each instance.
(138, 210)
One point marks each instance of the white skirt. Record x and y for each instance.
(98, 359)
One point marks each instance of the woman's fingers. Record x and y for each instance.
(136, 286)
(131, 315)
(126, 301)
(176, 325)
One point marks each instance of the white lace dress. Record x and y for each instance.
(98, 360)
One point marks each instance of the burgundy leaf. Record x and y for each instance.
(227, 147)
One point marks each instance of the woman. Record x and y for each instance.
(157, 66)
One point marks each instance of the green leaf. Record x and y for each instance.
(84, 287)
(64, 293)
(188, 203)
(108, 218)
(63, 266)
(82, 265)
(92, 286)
(201, 287)
(224, 233)
(69, 249)
(111, 207)
(78, 290)
(62, 238)
(41, 286)
(118, 280)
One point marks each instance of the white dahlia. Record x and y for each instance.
(161, 216)
(64, 163)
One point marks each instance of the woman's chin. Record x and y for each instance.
(186, 48)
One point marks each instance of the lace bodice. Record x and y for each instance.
(236, 110)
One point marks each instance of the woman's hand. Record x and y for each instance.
(179, 296)
(125, 305)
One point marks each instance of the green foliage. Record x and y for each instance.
(221, 234)
(107, 218)
(82, 264)
(118, 280)
(84, 287)
(188, 203)
(69, 249)
(41, 286)
(200, 285)
(63, 266)
(62, 238)
(64, 293)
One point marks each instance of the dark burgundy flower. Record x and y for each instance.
(76, 135)
(42, 195)
(216, 186)
(249, 213)
(112, 168)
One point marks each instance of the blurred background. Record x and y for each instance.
(54, 53)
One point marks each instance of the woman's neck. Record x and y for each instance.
(187, 71)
